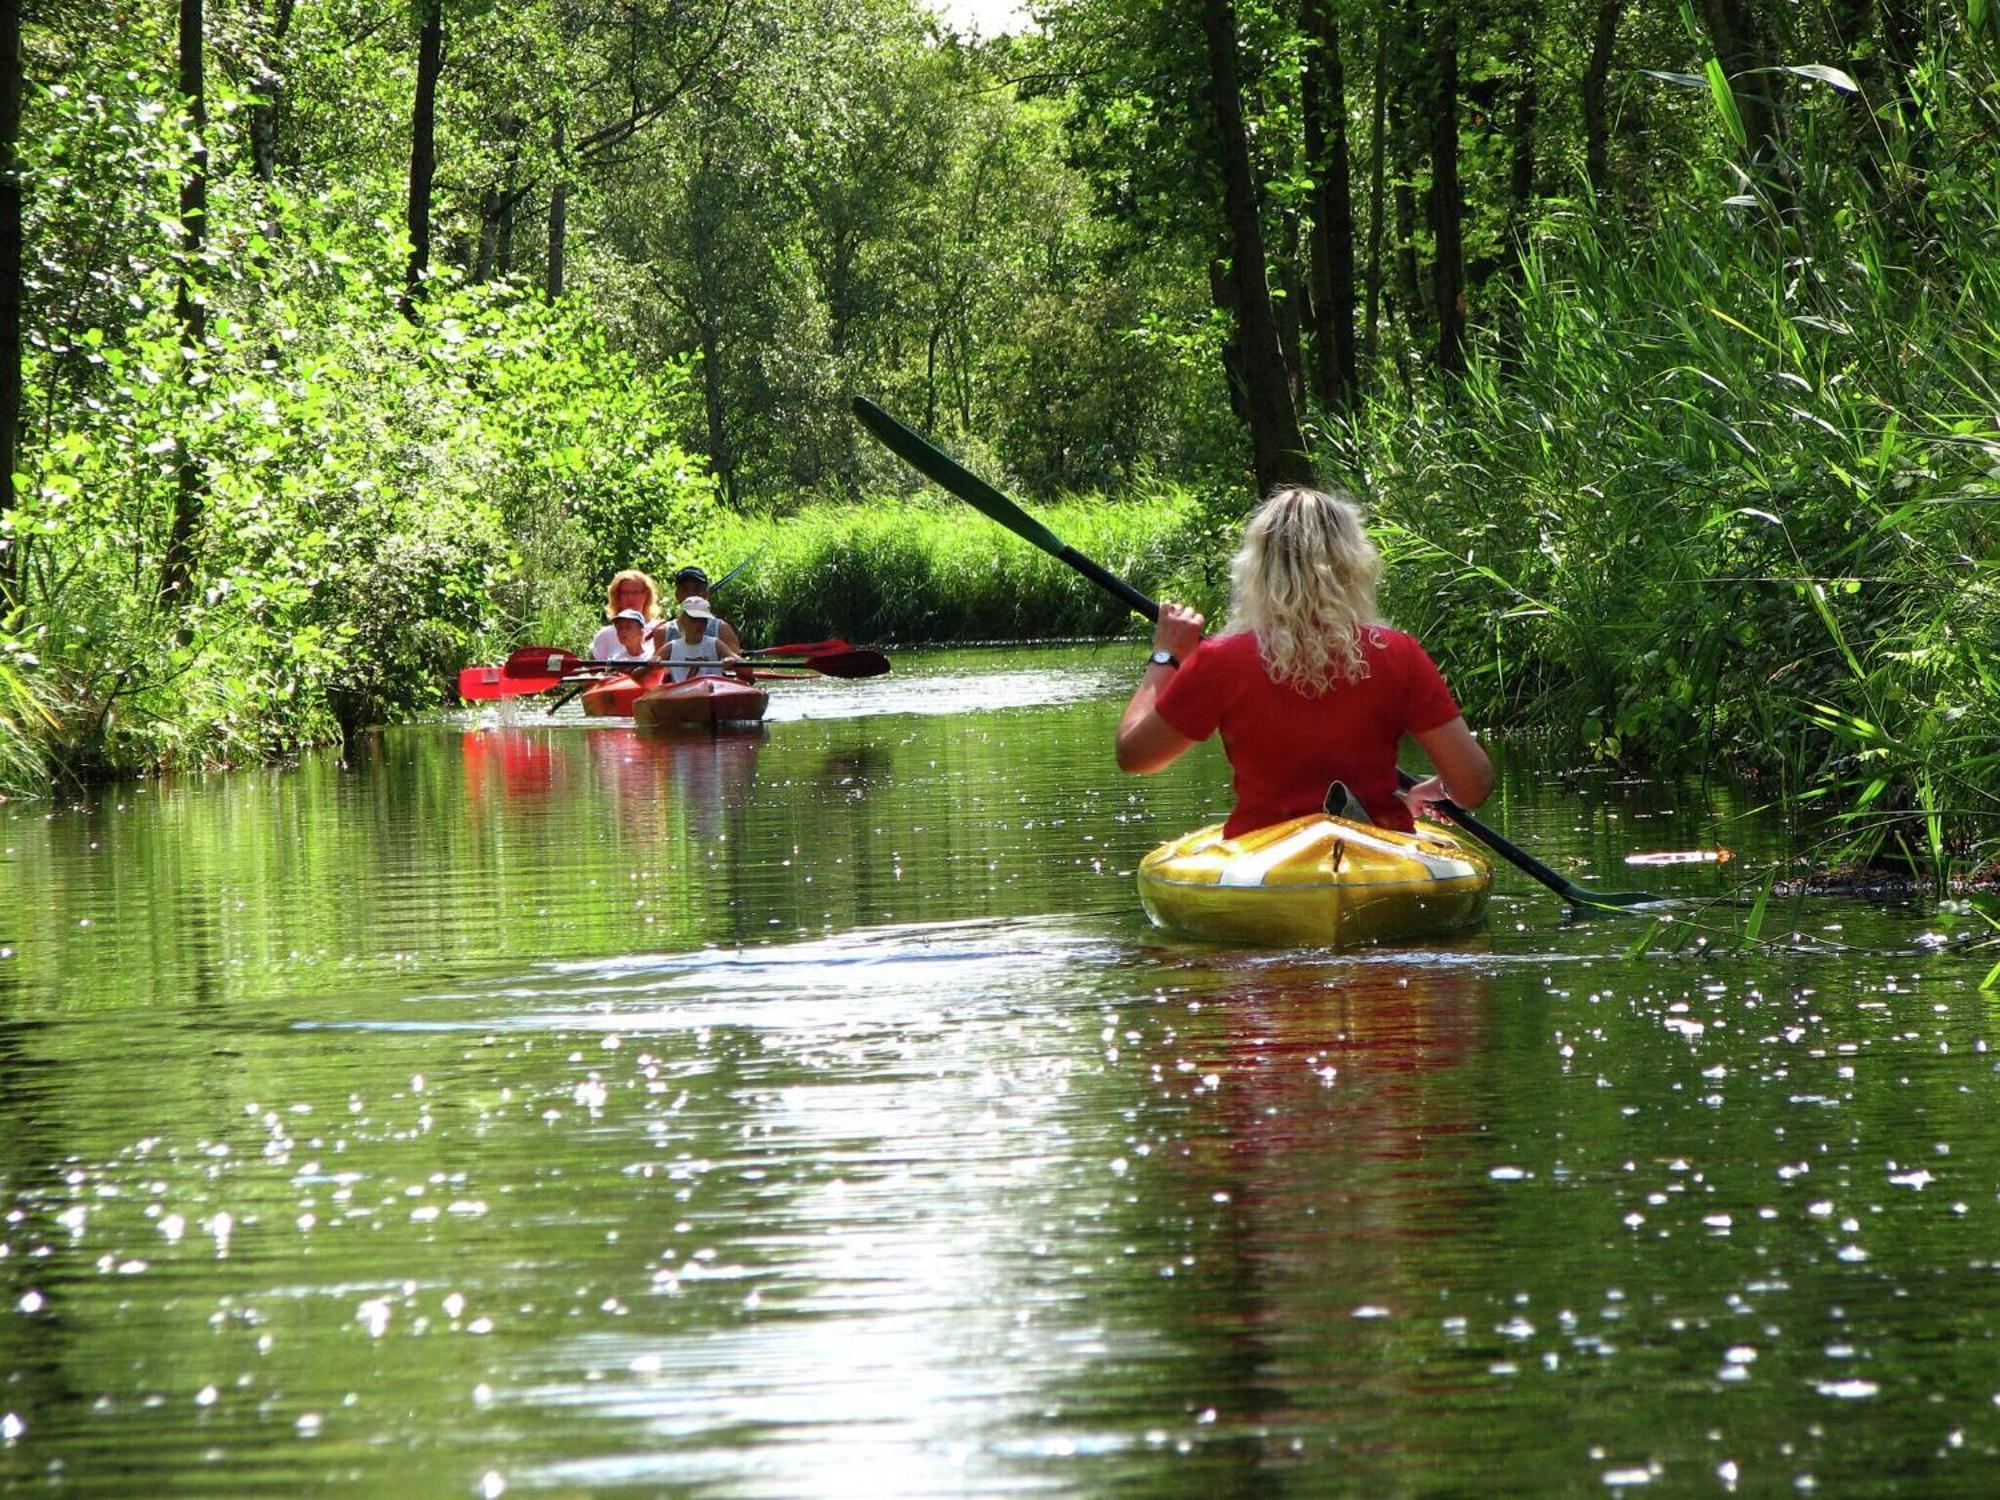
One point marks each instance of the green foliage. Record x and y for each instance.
(377, 501)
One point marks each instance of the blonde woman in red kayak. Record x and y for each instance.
(1309, 687)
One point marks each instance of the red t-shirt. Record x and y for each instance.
(1285, 747)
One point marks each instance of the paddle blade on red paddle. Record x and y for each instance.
(479, 684)
(854, 662)
(543, 661)
(807, 648)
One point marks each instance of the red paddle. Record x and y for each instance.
(536, 669)
(810, 648)
(477, 684)
(546, 665)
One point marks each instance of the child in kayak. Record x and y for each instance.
(629, 590)
(692, 583)
(692, 638)
(631, 645)
(1310, 688)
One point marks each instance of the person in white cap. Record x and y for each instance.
(692, 637)
(692, 583)
(631, 627)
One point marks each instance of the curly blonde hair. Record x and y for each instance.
(632, 575)
(1304, 584)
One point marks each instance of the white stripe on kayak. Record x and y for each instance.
(1441, 867)
(1251, 869)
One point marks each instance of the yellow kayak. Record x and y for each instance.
(1317, 880)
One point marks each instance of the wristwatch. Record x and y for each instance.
(1164, 659)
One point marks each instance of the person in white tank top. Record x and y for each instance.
(692, 643)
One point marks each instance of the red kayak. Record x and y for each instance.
(613, 698)
(699, 703)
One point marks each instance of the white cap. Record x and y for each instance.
(697, 606)
(628, 614)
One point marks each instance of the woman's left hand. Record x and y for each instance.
(1425, 795)
(1178, 630)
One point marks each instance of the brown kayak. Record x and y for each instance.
(700, 703)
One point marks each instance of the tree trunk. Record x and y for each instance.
(266, 82)
(11, 561)
(1409, 293)
(191, 312)
(1324, 99)
(1277, 448)
(1596, 88)
(1222, 289)
(496, 211)
(505, 257)
(1447, 203)
(423, 149)
(558, 210)
(1741, 47)
(489, 235)
(1290, 303)
(720, 458)
(1376, 181)
(1527, 101)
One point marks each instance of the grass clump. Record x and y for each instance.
(932, 570)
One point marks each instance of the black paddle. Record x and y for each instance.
(927, 459)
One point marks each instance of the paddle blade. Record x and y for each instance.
(808, 648)
(854, 662)
(927, 459)
(956, 479)
(480, 684)
(543, 661)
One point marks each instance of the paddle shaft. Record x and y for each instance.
(546, 664)
(921, 454)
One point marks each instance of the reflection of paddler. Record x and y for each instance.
(714, 774)
(1320, 1157)
(523, 759)
(630, 769)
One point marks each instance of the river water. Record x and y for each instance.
(541, 1108)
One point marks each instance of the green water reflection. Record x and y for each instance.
(545, 1109)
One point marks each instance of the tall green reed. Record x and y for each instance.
(1734, 495)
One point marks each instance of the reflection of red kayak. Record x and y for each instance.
(700, 703)
(613, 698)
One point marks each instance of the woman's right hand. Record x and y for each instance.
(1178, 630)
